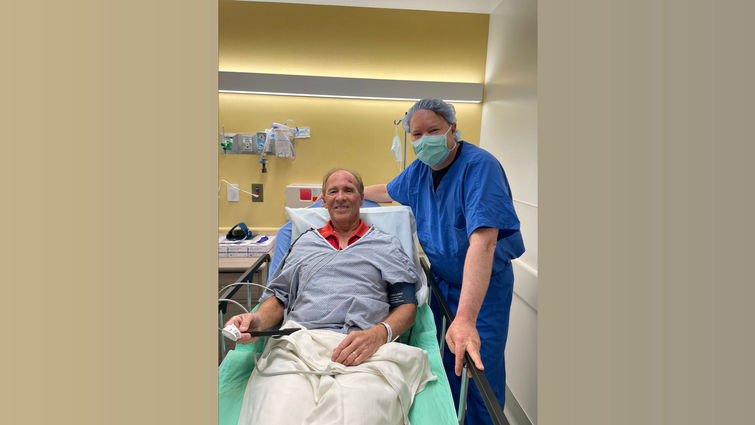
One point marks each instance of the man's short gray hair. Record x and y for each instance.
(358, 179)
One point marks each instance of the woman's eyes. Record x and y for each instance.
(417, 135)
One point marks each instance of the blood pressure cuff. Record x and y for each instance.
(401, 293)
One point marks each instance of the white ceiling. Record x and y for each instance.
(469, 6)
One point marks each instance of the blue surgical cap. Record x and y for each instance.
(445, 110)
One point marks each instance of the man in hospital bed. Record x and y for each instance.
(352, 287)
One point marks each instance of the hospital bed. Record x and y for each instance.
(434, 405)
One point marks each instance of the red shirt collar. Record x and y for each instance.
(330, 234)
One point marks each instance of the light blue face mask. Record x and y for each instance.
(432, 149)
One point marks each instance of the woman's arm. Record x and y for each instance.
(462, 333)
(377, 193)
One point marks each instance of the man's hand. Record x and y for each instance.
(462, 337)
(245, 322)
(358, 346)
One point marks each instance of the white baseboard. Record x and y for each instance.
(513, 411)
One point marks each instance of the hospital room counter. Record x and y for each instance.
(235, 264)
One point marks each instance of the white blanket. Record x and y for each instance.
(380, 391)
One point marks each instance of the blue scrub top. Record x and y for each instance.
(474, 193)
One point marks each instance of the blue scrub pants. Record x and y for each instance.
(493, 327)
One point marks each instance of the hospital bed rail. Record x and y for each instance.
(488, 396)
(230, 290)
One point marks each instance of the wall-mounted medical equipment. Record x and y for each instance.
(238, 143)
(302, 195)
(282, 137)
(281, 141)
(279, 137)
(226, 141)
(250, 144)
(276, 140)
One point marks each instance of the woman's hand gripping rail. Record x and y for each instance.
(462, 335)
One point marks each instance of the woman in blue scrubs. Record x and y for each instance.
(469, 230)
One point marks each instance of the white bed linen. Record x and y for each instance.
(380, 391)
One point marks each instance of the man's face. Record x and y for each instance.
(342, 198)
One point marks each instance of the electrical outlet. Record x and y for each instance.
(257, 190)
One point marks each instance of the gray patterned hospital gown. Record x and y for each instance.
(340, 290)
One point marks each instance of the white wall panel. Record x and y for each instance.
(525, 284)
(512, 138)
(521, 361)
(509, 131)
(528, 224)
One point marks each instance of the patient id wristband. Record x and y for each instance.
(390, 332)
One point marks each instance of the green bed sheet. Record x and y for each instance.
(433, 406)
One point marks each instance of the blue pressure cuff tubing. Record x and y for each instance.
(401, 293)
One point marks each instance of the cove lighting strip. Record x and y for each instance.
(347, 88)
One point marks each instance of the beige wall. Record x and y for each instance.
(646, 230)
(108, 267)
(342, 42)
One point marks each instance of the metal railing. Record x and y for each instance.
(488, 396)
(242, 281)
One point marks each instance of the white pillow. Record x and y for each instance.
(397, 221)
